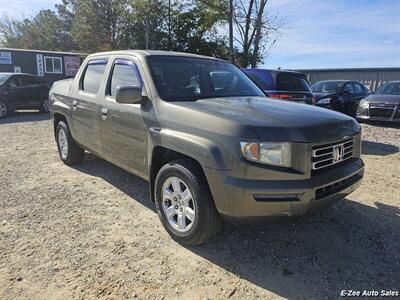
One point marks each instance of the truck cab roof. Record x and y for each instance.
(144, 53)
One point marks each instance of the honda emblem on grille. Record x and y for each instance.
(338, 153)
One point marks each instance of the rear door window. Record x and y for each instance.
(358, 88)
(28, 80)
(25, 80)
(292, 83)
(14, 82)
(125, 72)
(93, 75)
(349, 88)
(327, 86)
(34, 80)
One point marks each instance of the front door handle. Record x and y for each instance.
(104, 112)
(74, 104)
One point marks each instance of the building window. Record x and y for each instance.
(53, 65)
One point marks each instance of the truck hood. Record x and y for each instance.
(274, 120)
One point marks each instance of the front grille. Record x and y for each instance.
(328, 154)
(380, 112)
(383, 105)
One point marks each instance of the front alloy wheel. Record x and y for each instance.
(178, 204)
(184, 202)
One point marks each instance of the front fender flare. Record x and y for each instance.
(206, 152)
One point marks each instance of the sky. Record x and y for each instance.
(316, 34)
(337, 33)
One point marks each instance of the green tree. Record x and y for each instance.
(250, 25)
(145, 25)
(44, 31)
(195, 30)
(94, 25)
(196, 26)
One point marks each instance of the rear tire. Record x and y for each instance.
(70, 152)
(3, 109)
(184, 203)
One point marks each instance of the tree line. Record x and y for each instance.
(238, 30)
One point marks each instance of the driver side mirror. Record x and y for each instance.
(128, 94)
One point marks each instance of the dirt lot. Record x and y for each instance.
(90, 231)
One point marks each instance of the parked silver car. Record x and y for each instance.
(381, 105)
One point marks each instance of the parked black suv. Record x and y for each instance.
(22, 91)
(339, 95)
(283, 85)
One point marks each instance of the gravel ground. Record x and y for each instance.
(90, 231)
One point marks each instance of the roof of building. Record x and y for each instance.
(273, 70)
(43, 51)
(350, 69)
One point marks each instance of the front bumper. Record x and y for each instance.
(239, 198)
(368, 118)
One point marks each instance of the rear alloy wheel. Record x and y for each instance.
(3, 109)
(184, 203)
(70, 152)
(45, 106)
(63, 143)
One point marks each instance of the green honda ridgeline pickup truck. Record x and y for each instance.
(206, 138)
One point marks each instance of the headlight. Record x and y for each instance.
(324, 101)
(364, 104)
(271, 153)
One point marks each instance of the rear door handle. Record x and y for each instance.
(104, 112)
(74, 104)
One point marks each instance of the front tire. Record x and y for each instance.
(184, 203)
(70, 152)
(3, 109)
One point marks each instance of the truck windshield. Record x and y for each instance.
(189, 79)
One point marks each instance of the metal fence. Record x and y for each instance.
(372, 78)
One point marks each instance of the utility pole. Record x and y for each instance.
(169, 25)
(147, 27)
(230, 16)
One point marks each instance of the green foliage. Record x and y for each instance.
(44, 31)
(99, 25)
(194, 31)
